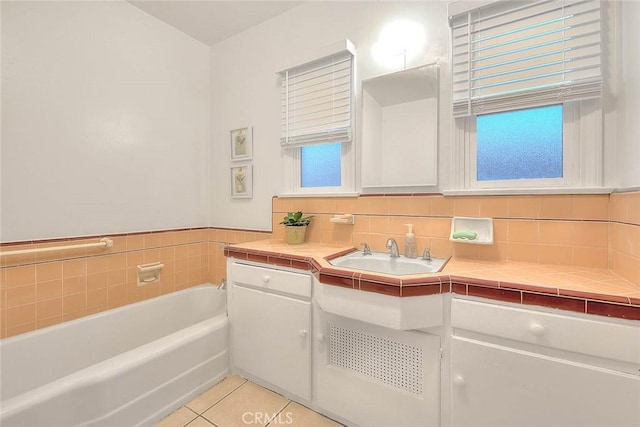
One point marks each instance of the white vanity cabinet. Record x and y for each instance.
(270, 312)
(520, 367)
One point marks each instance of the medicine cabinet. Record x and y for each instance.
(400, 130)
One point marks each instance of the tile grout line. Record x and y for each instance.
(275, 416)
(220, 400)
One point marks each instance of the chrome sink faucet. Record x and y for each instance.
(392, 245)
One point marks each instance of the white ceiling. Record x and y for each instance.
(211, 21)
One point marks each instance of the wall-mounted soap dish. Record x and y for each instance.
(343, 219)
(149, 273)
(478, 231)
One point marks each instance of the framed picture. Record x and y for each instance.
(242, 182)
(242, 144)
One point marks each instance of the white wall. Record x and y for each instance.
(628, 101)
(246, 91)
(105, 121)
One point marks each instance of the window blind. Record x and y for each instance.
(520, 54)
(317, 100)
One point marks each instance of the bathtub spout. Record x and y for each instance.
(223, 284)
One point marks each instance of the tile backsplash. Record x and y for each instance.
(599, 231)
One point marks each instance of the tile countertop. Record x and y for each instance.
(580, 289)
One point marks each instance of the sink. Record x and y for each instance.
(381, 262)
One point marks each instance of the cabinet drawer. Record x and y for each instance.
(269, 278)
(587, 336)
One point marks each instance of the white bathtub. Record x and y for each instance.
(124, 367)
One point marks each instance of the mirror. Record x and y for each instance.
(400, 129)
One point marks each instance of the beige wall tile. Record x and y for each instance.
(555, 232)
(135, 258)
(420, 205)
(591, 206)
(166, 238)
(442, 206)
(48, 290)
(74, 303)
(588, 233)
(633, 208)
(20, 295)
(555, 254)
(555, 207)
(523, 231)
(48, 271)
(522, 252)
(589, 257)
(523, 207)
(495, 252)
(19, 276)
(500, 230)
(117, 277)
(135, 242)
(377, 205)
(494, 206)
(97, 280)
(47, 309)
(97, 297)
(181, 237)
(117, 296)
(151, 240)
(398, 205)
(441, 227)
(466, 206)
(21, 315)
(74, 285)
(98, 264)
(464, 250)
(117, 261)
(619, 207)
(74, 267)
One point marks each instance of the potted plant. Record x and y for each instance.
(295, 227)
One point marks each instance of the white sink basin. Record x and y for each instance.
(381, 262)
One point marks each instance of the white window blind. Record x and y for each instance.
(317, 100)
(519, 54)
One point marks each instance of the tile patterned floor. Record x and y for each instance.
(238, 402)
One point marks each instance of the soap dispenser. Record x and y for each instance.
(410, 249)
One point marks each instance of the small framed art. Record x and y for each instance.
(242, 144)
(242, 182)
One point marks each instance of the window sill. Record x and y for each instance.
(293, 195)
(527, 191)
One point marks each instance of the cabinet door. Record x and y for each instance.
(499, 386)
(270, 338)
(375, 376)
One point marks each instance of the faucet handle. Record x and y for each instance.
(426, 255)
(366, 249)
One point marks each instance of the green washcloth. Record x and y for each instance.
(469, 235)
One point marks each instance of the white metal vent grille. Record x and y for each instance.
(396, 364)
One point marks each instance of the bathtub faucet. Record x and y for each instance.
(223, 284)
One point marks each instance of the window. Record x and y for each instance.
(316, 125)
(321, 165)
(526, 94)
(522, 144)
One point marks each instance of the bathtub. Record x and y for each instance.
(123, 367)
